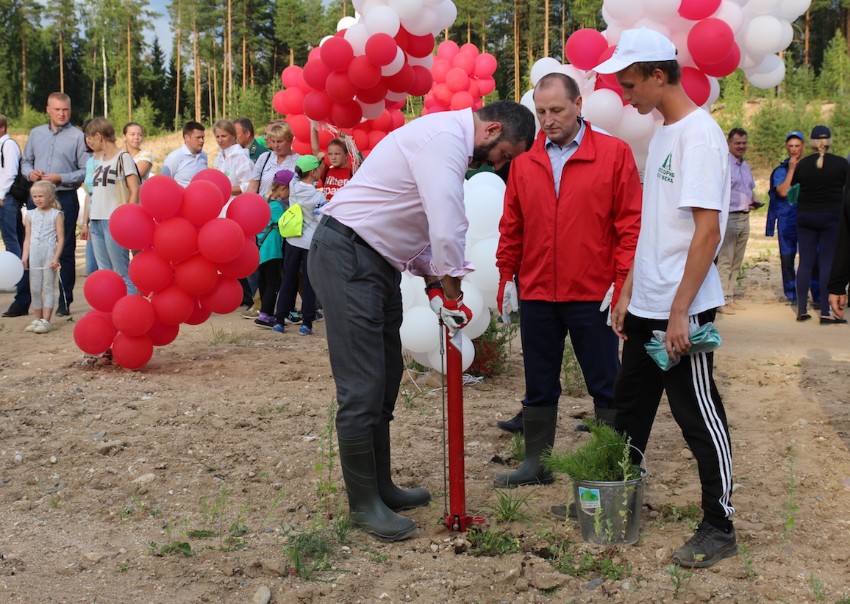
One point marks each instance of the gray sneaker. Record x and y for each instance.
(708, 546)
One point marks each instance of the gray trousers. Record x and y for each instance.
(731, 254)
(362, 304)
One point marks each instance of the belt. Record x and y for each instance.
(335, 225)
(740, 212)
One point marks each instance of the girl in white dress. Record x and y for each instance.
(45, 234)
(134, 136)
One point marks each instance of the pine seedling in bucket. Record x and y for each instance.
(607, 486)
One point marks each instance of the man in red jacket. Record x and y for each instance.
(568, 236)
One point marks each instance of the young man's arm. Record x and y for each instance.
(700, 256)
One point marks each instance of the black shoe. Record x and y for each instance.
(832, 321)
(16, 311)
(293, 318)
(264, 323)
(63, 311)
(803, 317)
(513, 425)
(708, 546)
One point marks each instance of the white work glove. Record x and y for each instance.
(507, 300)
(606, 304)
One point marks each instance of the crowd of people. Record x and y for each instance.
(586, 251)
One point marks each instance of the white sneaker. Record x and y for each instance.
(43, 327)
(31, 327)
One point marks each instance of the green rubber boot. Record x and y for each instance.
(395, 498)
(366, 509)
(539, 430)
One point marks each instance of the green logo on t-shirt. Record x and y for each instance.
(665, 172)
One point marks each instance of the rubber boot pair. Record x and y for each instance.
(539, 432)
(366, 471)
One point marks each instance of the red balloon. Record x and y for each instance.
(469, 48)
(161, 197)
(221, 240)
(363, 73)
(696, 85)
(293, 101)
(150, 272)
(725, 66)
(464, 61)
(195, 276)
(250, 211)
(397, 118)
(225, 297)
(461, 100)
(132, 352)
(443, 95)
(302, 147)
(172, 305)
(420, 46)
(290, 76)
(440, 68)
(94, 332)
(377, 93)
(694, 10)
(486, 86)
(583, 48)
(103, 289)
(361, 138)
(133, 315)
(245, 263)
(278, 102)
(131, 227)
(316, 73)
(375, 137)
(162, 334)
(300, 125)
(216, 177)
(202, 201)
(422, 81)
(485, 65)
(336, 53)
(200, 313)
(710, 41)
(381, 49)
(402, 80)
(457, 79)
(610, 79)
(383, 122)
(175, 239)
(317, 105)
(339, 87)
(347, 115)
(606, 84)
(447, 50)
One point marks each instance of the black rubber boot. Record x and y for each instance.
(606, 416)
(539, 429)
(395, 498)
(513, 425)
(366, 509)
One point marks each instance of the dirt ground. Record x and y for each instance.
(220, 448)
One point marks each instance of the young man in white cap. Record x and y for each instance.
(673, 285)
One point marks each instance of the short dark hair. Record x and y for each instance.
(516, 120)
(191, 126)
(670, 68)
(736, 132)
(246, 124)
(568, 83)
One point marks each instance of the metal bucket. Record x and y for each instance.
(609, 512)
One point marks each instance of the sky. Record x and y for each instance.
(160, 27)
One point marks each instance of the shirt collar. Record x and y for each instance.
(577, 139)
(735, 160)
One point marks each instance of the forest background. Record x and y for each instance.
(226, 57)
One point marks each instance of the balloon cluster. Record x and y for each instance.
(420, 331)
(11, 270)
(462, 77)
(188, 267)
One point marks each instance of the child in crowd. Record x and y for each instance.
(303, 191)
(338, 170)
(45, 235)
(271, 249)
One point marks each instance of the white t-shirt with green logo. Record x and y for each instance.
(687, 167)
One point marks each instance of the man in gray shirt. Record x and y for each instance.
(56, 152)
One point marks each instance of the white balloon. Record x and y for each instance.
(431, 2)
(356, 35)
(484, 206)
(571, 71)
(368, 5)
(483, 256)
(424, 23)
(762, 7)
(394, 96)
(479, 324)
(767, 75)
(749, 61)
(763, 35)
(472, 299)
(446, 15)
(653, 25)
(358, 8)
(382, 19)
(372, 111)
(11, 270)
(625, 12)
(467, 350)
(427, 61)
(787, 35)
(345, 23)
(661, 9)
(603, 108)
(395, 66)
(406, 9)
(527, 101)
(421, 358)
(413, 291)
(325, 39)
(680, 41)
(731, 14)
(791, 9)
(420, 329)
(634, 127)
(487, 179)
(542, 67)
(714, 91)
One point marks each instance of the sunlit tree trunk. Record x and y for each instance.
(546, 28)
(197, 67)
(227, 84)
(179, 70)
(129, 71)
(23, 61)
(105, 79)
(61, 62)
(806, 40)
(516, 52)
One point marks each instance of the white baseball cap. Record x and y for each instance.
(638, 46)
